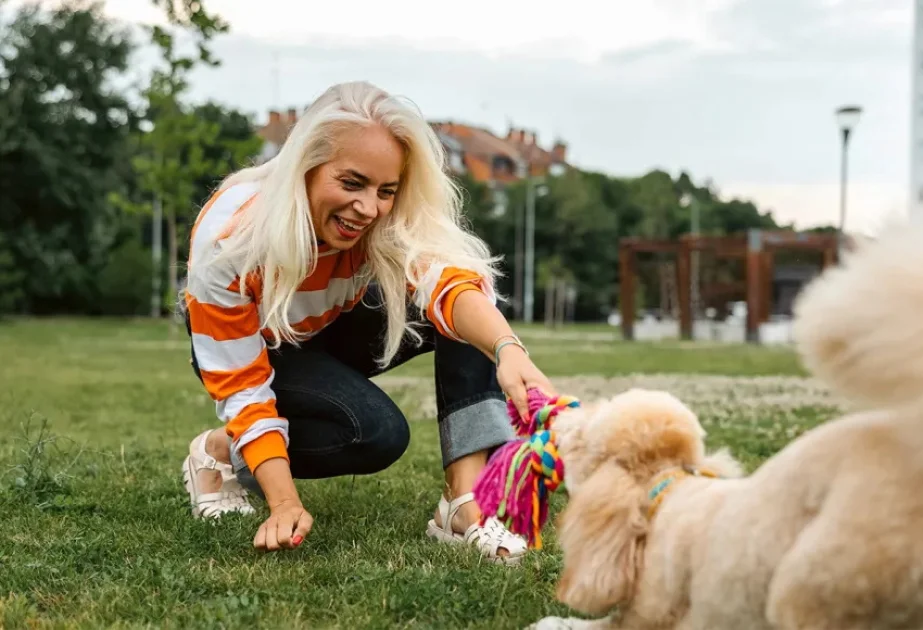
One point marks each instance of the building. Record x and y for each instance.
(497, 161)
(486, 157)
(274, 132)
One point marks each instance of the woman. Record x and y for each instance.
(338, 259)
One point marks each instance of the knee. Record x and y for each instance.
(385, 442)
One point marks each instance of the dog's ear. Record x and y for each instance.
(602, 532)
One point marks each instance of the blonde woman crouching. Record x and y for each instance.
(343, 257)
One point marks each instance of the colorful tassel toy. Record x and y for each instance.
(517, 481)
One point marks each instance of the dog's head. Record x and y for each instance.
(612, 449)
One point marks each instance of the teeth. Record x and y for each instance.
(351, 226)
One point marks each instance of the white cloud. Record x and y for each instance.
(741, 91)
(583, 29)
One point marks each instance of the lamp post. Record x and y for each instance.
(533, 189)
(847, 117)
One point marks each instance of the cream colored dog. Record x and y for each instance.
(825, 535)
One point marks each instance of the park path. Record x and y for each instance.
(705, 394)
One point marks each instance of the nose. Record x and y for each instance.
(367, 206)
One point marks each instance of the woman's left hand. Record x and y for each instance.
(517, 374)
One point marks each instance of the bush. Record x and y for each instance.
(11, 280)
(125, 282)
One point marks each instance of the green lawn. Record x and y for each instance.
(96, 417)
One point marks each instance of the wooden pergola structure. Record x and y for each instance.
(758, 249)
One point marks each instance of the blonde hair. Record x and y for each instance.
(275, 237)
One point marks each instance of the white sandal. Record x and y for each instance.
(489, 538)
(231, 498)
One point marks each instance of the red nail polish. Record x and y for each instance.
(297, 540)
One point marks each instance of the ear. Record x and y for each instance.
(723, 463)
(601, 532)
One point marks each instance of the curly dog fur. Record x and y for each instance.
(826, 535)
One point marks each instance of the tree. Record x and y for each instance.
(233, 145)
(655, 193)
(11, 280)
(172, 160)
(63, 146)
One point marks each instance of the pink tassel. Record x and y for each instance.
(526, 426)
(515, 484)
(490, 487)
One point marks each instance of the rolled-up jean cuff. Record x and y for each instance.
(244, 476)
(480, 426)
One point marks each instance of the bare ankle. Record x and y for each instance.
(218, 446)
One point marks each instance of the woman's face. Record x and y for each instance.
(356, 187)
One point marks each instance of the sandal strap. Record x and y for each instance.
(492, 536)
(202, 460)
(232, 497)
(448, 509)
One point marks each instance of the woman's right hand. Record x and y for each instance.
(286, 527)
(288, 521)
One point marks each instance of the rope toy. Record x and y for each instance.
(515, 485)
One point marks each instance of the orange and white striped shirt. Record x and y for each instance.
(230, 343)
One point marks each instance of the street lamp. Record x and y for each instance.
(847, 117)
(533, 189)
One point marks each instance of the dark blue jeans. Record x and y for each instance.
(341, 423)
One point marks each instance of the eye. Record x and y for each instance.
(351, 184)
(386, 193)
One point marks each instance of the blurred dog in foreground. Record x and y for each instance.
(825, 535)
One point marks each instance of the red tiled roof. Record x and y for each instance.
(480, 147)
(276, 130)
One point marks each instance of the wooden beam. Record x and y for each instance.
(627, 291)
(702, 242)
(768, 256)
(684, 294)
(649, 245)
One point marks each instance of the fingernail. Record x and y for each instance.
(297, 540)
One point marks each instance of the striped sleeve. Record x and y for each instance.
(232, 357)
(438, 289)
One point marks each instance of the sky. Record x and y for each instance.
(739, 92)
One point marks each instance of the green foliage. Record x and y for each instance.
(125, 281)
(12, 279)
(582, 218)
(41, 472)
(184, 150)
(232, 147)
(63, 132)
(192, 16)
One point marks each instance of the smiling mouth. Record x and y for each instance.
(348, 229)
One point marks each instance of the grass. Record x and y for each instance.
(96, 417)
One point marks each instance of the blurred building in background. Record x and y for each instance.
(471, 150)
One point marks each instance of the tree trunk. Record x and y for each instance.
(550, 288)
(172, 282)
(156, 259)
(561, 300)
